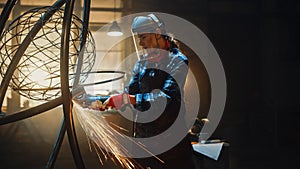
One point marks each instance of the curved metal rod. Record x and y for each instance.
(59, 140)
(5, 14)
(22, 48)
(57, 145)
(85, 84)
(84, 32)
(64, 79)
(31, 111)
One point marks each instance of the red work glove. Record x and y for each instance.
(117, 101)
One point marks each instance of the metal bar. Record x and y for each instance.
(58, 141)
(57, 145)
(84, 32)
(21, 115)
(5, 14)
(64, 78)
(108, 9)
(19, 53)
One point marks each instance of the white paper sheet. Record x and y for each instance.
(211, 150)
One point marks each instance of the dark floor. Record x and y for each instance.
(27, 145)
(31, 156)
(20, 155)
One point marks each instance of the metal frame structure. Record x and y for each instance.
(67, 124)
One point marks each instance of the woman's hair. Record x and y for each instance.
(173, 42)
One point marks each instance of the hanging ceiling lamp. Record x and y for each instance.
(114, 29)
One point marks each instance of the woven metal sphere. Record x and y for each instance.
(38, 73)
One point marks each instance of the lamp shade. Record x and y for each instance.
(114, 30)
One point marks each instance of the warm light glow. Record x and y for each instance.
(40, 78)
(37, 75)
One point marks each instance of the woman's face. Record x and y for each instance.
(148, 42)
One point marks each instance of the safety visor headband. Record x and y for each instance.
(147, 24)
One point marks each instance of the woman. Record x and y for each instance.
(157, 86)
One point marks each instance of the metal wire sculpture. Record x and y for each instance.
(38, 76)
(69, 62)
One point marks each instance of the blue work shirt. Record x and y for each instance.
(154, 83)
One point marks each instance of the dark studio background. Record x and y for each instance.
(258, 43)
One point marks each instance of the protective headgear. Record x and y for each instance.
(147, 24)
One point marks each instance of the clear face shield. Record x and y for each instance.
(144, 46)
(138, 49)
